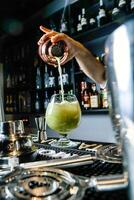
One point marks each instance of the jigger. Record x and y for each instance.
(41, 129)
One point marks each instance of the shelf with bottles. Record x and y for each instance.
(47, 77)
(99, 18)
(117, 16)
(86, 21)
(92, 98)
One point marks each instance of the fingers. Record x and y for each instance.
(58, 37)
(45, 37)
(44, 29)
(53, 35)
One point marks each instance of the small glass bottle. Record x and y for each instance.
(65, 77)
(102, 18)
(132, 6)
(86, 97)
(103, 98)
(38, 79)
(94, 96)
(115, 11)
(51, 79)
(122, 5)
(79, 26)
(84, 23)
(46, 100)
(64, 26)
(37, 103)
(46, 77)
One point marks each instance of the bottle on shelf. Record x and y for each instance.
(103, 98)
(70, 92)
(7, 104)
(22, 102)
(8, 81)
(86, 97)
(92, 23)
(51, 79)
(79, 26)
(102, 17)
(122, 5)
(21, 77)
(14, 104)
(84, 21)
(82, 87)
(11, 103)
(64, 26)
(38, 79)
(46, 77)
(28, 101)
(94, 96)
(132, 6)
(37, 103)
(46, 100)
(115, 11)
(65, 77)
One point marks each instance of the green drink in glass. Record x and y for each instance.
(63, 114)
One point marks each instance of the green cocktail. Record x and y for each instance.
(63, 115)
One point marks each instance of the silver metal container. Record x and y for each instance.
(12, 141)
(119, 60)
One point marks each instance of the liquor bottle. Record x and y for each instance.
(92, 23)
(115, 11)
(23, 78)
(122, 5)
(46, 78)
(132, 6)
(51, 79)
(14, 104)
(86, 97)
(82, 86)
(102, 18)
(28, 101)
(65, 77)
(46, 100)
(8, 81)
(64, 26)
(79, 26)
(103, 98)
(11, 103)
(7, 104)
(37, 103)
(94, 97)
(38, 79)
(84, 22)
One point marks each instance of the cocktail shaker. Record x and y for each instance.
(12, 141)
(48, 51)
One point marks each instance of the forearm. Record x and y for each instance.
(90, 65)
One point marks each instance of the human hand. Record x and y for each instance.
(54, 36)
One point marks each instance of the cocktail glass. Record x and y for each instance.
(63, 114)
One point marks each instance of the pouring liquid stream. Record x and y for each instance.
(60, 73)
